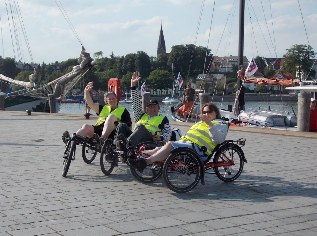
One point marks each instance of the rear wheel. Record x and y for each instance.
(151, 172)
(108, 153)
(181, 171)
(88, 153)
(230, 159)
(69, 155)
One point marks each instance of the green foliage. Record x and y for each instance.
(160, 79)
(8, 67)
(23, 76)
(299, 58)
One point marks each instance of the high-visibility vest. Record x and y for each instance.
(151, 123)
(199, 134)
(106, 111)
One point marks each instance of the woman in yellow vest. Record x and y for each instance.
(110, 113)
(208, 133)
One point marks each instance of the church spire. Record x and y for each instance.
(161, 49)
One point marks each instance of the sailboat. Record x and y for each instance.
(172, 99)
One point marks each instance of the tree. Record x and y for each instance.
(98, 54)
(160, 79)
(298, 60)
(143, 63)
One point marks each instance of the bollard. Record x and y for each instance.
(28, 112)
(87, 115)
(2, 98)
(303, 117)
(52, 103)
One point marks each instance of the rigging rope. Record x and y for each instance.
(10, 29)
(267, 27)
(273, 32)
(197, 31)
(19, 15)
(64, 13)
(269, 49)
(301, 13)
(2, 39)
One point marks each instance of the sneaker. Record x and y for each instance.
(65, 136)
(139, 164)
(121, 143)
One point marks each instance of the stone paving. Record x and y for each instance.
(275, 195)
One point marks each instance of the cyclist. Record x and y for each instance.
(208, 133)
(150, 125)
(109, 116)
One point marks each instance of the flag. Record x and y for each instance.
(143, 91)
(179, 80)
(251, 69)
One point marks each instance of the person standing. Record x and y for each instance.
(313, 116)
(188, 101)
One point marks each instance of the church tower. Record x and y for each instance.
(161, 49)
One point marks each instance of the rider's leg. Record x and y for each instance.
(86, 131)
(161, 153)
(109, 126)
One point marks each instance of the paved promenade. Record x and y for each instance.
(275, 195)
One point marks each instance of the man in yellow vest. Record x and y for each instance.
(208, 133)
(109, 115)
(150, 125)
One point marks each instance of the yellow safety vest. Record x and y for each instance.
(106, 111)
(199, 134)
(151, 124)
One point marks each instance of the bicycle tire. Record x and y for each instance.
(89, 153)
(70, 153)
(106, 167)
(151, 172)
(227, 153)
(182, 171)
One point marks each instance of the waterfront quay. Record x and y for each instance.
(275, 194)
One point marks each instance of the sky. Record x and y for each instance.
(128, 26)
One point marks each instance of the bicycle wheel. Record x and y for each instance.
(89, 153)
(151, 172)
(107, 153)
(69, 155)
(228, 162)
(181, 171)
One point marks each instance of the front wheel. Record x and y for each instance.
(228, 162)
(151, 172)
(107, 153)
(182, 171)
(69, 155)
(89, 153)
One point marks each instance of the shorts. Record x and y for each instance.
(190, 145)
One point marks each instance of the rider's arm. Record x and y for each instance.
(219, 132)
(88, 98)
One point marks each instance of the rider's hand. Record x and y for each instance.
(156, 138)
(89, 86)
(135, 78)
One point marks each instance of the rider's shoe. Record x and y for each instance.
(121, 143)
(139, 164)
(65, 136)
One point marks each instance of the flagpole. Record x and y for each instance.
(241, 38)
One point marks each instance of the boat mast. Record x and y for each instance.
(241, 38)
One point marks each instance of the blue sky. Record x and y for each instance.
(128, 26)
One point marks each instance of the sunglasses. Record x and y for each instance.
(207, 112)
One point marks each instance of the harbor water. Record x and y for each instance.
(278, 107)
